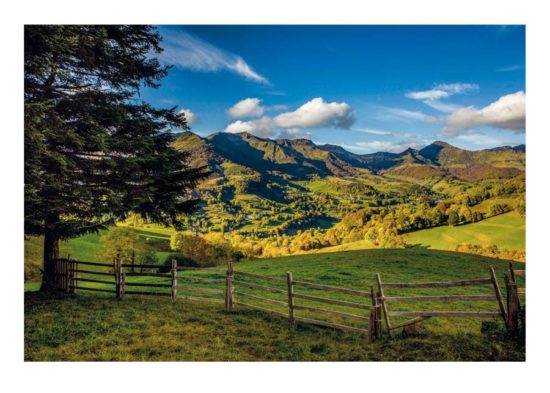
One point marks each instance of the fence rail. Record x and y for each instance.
(423, 315)
(300, 300)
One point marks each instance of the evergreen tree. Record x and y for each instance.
(94, 152)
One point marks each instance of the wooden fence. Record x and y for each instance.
(419, 316)
(360, 311)
(513, 301)
(297, 301)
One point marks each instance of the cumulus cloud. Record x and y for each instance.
(249, 107)
(263, 127)
(318, 113)
(294, 133)
(190, 116)
(508, 113)
(433, 96)
(186, 51)
(252, 107)
(312, 114)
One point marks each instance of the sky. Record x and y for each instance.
(365, 88)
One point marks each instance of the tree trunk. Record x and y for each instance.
(51, 252)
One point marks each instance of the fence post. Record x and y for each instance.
(383, 301)
(174, 272)
(290, 284)
(229, 288)
(68, 275)
(376, 307)
(118, 278)
(498, 295)
(122, 284)
(513, 305)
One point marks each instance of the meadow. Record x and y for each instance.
(506, 231)
(97, 327)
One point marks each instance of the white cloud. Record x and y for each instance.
(432, 97)
(190, 116)
(385, 146)
(374, 131)
(312, 114)
(479, 139)
(294, 133)
(186, 51)
(508, 112)
(263, 127)
(403, 114)
(249, 107)
(318, 113)
(252, 107)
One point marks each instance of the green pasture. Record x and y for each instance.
(506, 231)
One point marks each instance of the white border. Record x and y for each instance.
(334, 377)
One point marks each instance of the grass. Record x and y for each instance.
(506, 231)
(97, 327)
(86, 248)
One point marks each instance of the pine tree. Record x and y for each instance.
(94, 152)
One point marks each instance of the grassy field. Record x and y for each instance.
(506, 231)
(90, 327)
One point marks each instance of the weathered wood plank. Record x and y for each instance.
(332, 325)
(331, 312)
(148, 293)
(145, 274)
(92, 280)
(264, 299)
(93, 289)
(96, 264)
(331, 301)
(519, 273)
(521, 290)
(448, 284)
(142, 266)
(444, 298)
(202, 279)
(145, 284)
(257, 286)
(463, 314)
(261, 277)
(409, 322)
(383, 301)
(92, 272)
(498, 295)
(267, 310)
(331, 288)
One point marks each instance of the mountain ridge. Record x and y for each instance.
(302, 158)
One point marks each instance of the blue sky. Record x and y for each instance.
(366, 88)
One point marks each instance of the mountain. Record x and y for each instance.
(300, 159)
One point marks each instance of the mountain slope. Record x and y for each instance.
(302, 159)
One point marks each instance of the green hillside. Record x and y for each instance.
(506, 231)
(153, 328)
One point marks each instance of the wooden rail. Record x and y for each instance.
(447, 298)
(376, 302)
(257, 286)
(448, 284)
(332, 301)
(331, 288)
(423, 315)
(261, 298)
